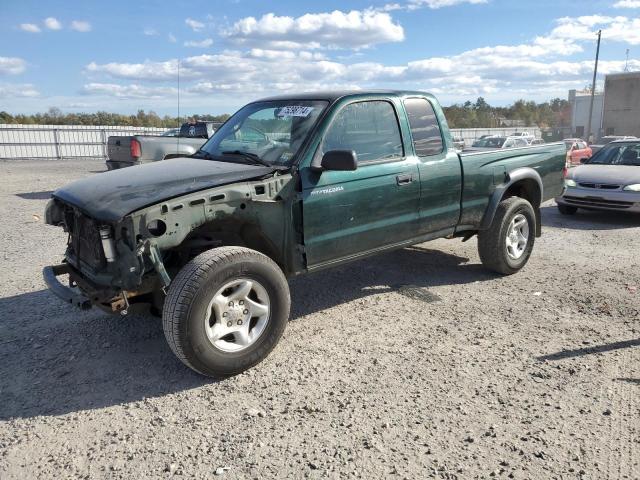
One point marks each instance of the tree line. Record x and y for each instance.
(54, 116)
(478, 114)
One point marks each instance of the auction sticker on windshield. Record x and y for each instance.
(294, 111)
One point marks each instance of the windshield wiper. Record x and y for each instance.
(251, 156)
(202, 154)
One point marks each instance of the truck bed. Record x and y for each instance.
(152, 149)
(483, 172)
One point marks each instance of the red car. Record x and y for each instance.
(577, 151)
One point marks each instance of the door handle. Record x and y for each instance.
(404, 179)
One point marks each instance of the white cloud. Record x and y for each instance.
(52, 23)
(435, 4)
(627, 4)
(128, 91)
(432, 4)
(80, 26)
(499, 71)
(140, 71)
(150, 32)
(195, 25)
(207, 42)
(30, 27)
(12, 65)
(172, 38)
(11, 90)
(337, 29)
(286, 54)
(618, 29)
(541, 68)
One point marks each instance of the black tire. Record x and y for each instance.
(492, 242)
(567, 209)
(187, 302)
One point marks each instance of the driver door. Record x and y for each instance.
(351, 213)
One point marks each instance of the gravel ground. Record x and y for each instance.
(413, 364)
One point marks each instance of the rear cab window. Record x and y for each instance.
(425, 129)
(370, 128)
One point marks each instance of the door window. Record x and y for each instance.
(369, 128)
(427, 139)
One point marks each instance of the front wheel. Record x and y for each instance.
(226, 310)
(506, 246)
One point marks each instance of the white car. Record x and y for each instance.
(521, 134)
(610, 180)
(499, 143)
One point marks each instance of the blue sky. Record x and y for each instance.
(121, 56)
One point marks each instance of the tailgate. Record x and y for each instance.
(118, 149)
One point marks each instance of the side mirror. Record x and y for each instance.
(339, 160)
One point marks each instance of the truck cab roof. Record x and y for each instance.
(334, 95)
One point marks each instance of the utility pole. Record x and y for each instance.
(178, 136)
(593, 87)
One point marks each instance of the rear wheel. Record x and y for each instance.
(226, 310)
(567, 209)
(506, 246)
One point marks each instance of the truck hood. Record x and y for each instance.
(109, 196)
(611, 174)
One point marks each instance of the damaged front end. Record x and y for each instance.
(107, 264)
(118, 264)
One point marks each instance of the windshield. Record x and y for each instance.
(622, 154)
(490, 142)
(270, 132)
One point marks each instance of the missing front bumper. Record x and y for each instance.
(65, 293)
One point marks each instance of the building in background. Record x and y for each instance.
(622, 104)
(580, 101)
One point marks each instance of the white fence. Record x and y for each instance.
(71, 141)
(469, 135)
(61, 141)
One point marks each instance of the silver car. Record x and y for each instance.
(610, 180)
(458, 143)
(608, 139)
(498, 143)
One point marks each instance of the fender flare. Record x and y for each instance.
(513, 177)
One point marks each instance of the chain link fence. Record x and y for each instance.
(69, 141)
(469, 135)
(61, 141)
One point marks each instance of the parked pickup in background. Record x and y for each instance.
(128, 151)
(289, 185)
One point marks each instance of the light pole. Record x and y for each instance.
(593, 88)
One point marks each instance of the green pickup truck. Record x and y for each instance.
(288, 185)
